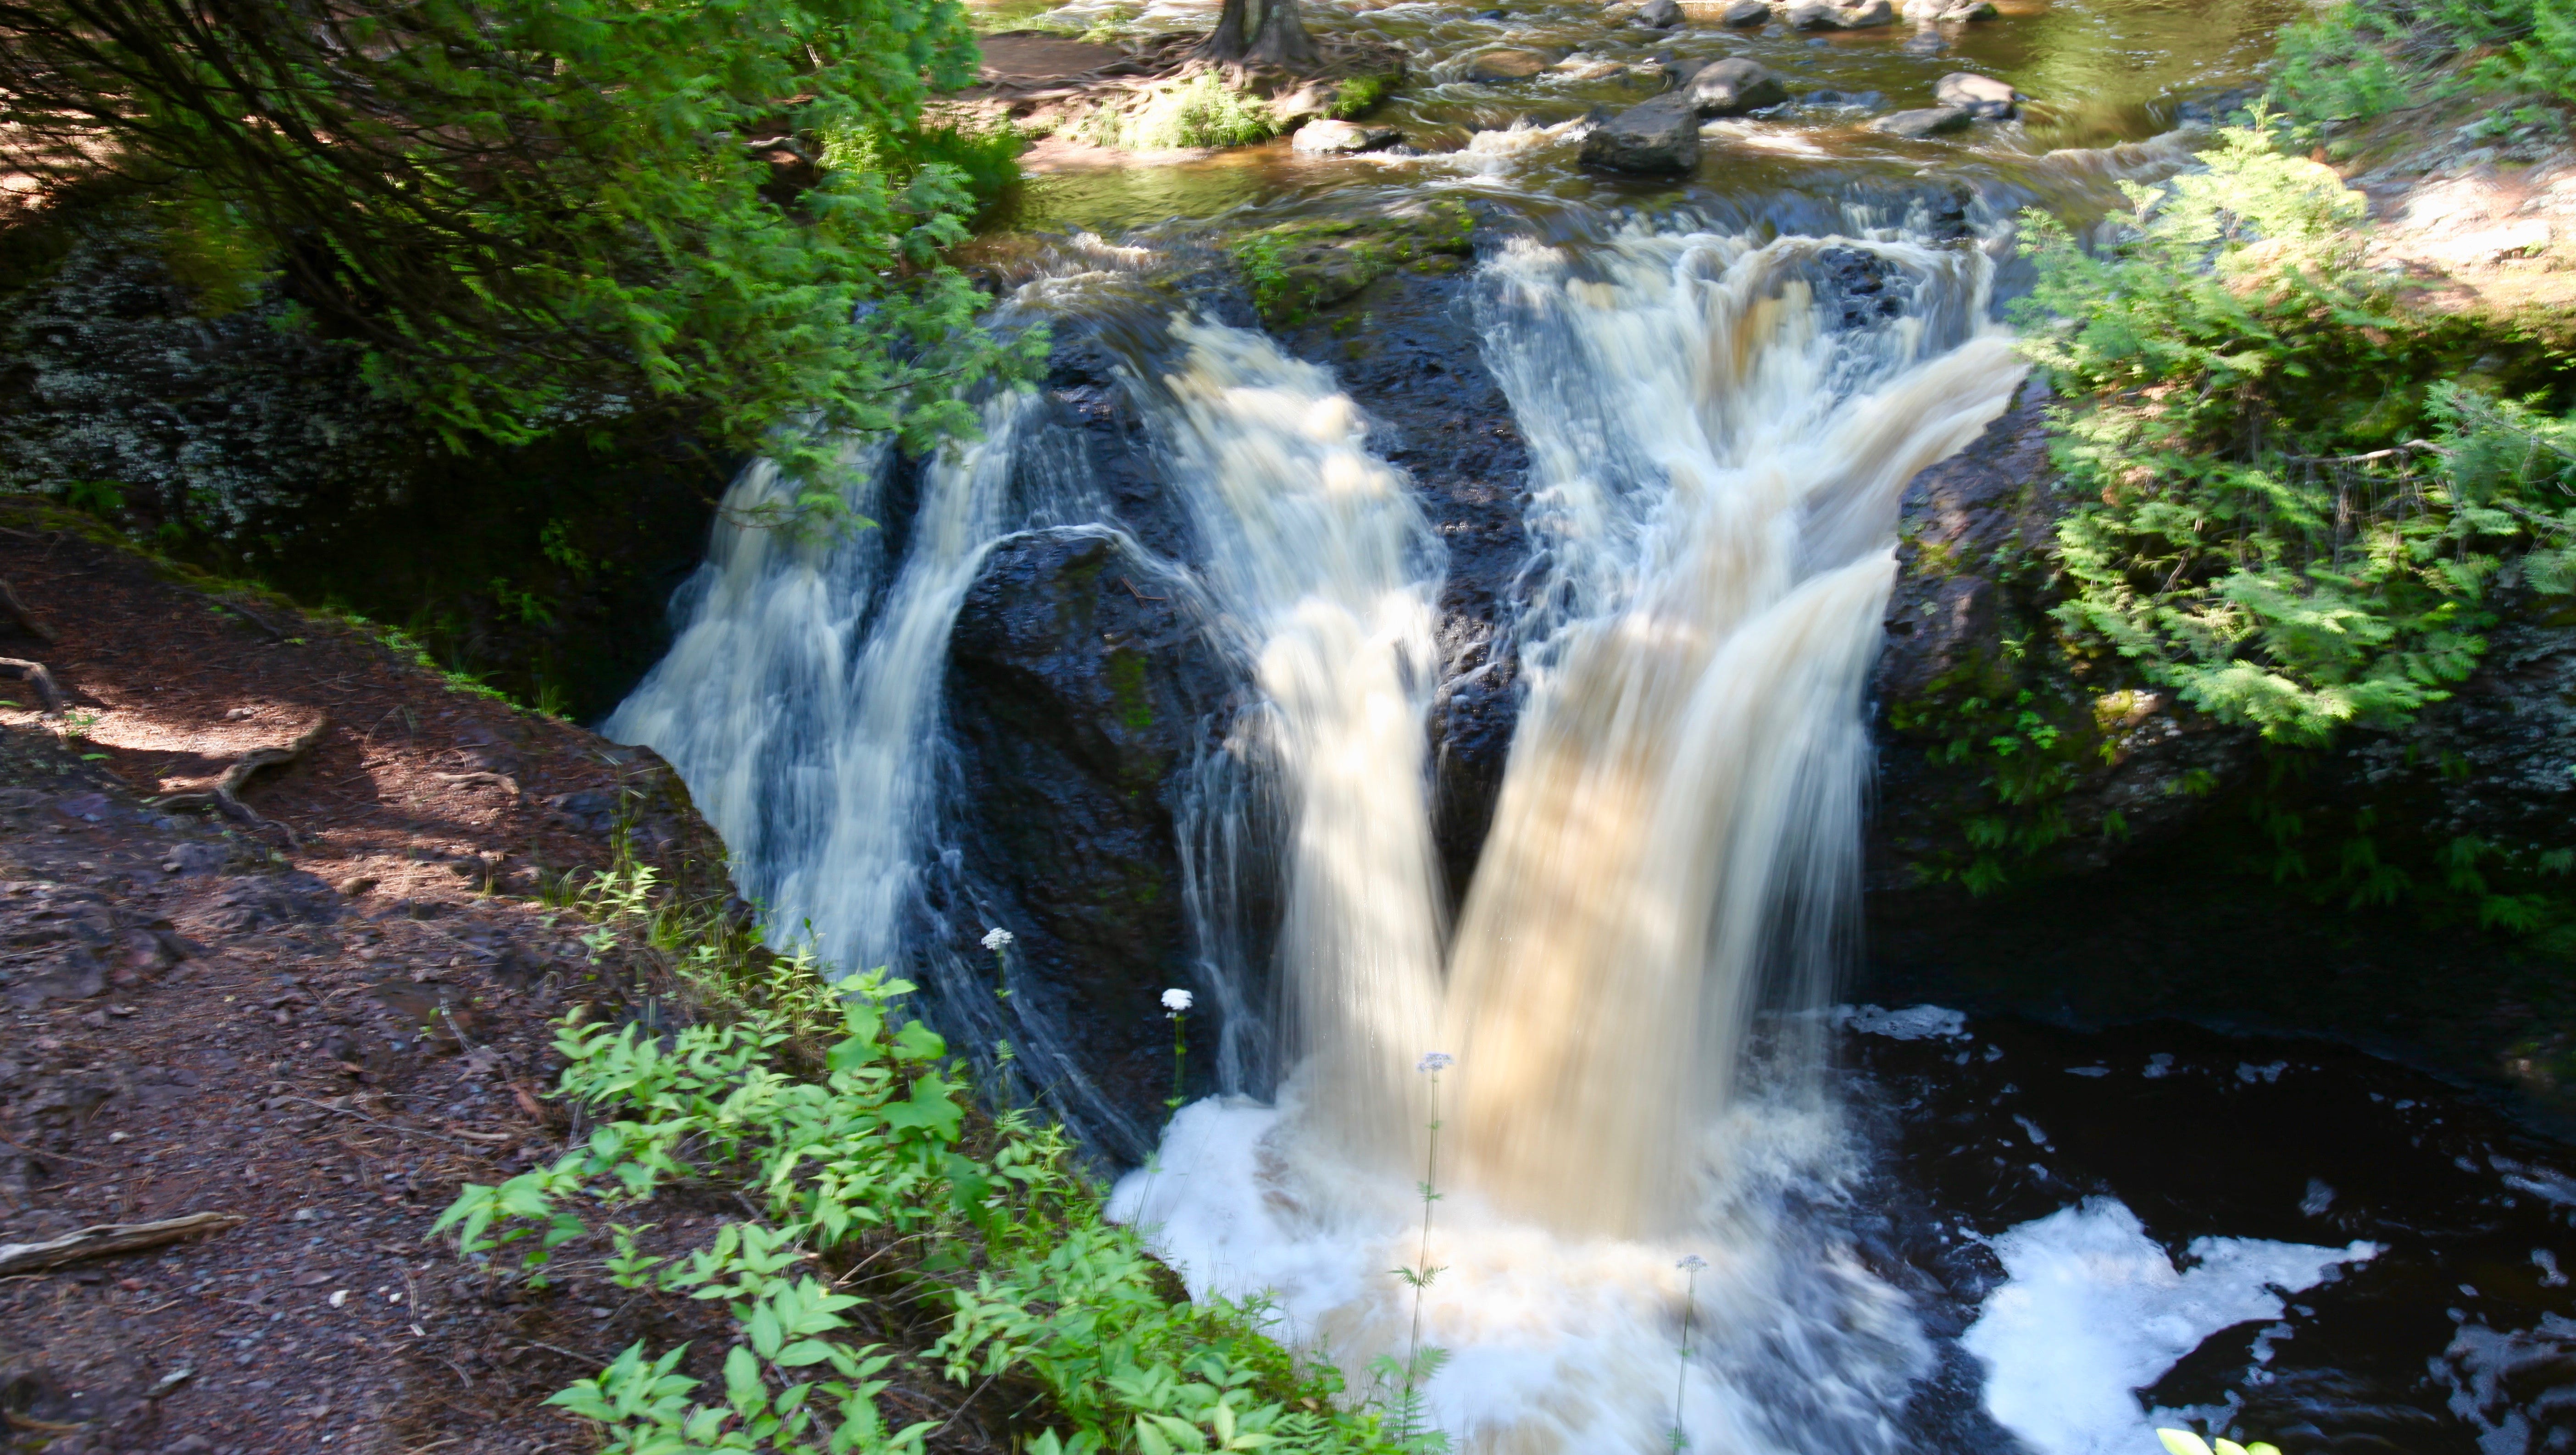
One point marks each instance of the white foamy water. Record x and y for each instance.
(1720, 432)
(1556, 1343)
(2092, 1309)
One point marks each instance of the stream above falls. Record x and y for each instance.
(1477, 667)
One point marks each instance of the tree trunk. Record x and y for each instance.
(1261, 32)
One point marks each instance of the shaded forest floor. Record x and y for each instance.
(321, 1019)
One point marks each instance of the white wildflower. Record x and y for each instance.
(997, 937)
(1176, 1001)
(1435, 1063)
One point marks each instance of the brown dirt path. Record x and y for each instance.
(325, 1031)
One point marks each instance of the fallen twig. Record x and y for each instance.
(108, 1238)
(35, 672)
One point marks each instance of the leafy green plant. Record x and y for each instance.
(875, 1185)
(2258, 535)
(537, 213)
(1199, 110)
(2362, 59)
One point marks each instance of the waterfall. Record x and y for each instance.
(1720, 431)
(1323, 571)
(801, 697)
(1720, 455)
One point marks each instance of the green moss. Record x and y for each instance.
(1358, 96)
(1127, 689)
(1298, 268)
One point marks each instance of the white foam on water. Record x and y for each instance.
(1554, 1343)
(1913, 1023)
(2091, 1310)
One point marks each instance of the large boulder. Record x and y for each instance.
(1659, 137)
(1928, 121)
(1734, 86)
(1078, 690)
(1506, 65)
(1982, 97)
(1341, 138)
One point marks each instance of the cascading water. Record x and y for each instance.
(1721, 432)
(1323, 571)
(801, 703)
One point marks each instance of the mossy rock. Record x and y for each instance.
(1297, 269)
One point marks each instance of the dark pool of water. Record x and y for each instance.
(2457, 1338)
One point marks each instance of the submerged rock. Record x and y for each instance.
(1659, 137)
(1982, 97)
(1928, 121)
(1734, 86)
(1507, 65)
(1340, 138)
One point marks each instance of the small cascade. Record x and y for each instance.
(801, 700)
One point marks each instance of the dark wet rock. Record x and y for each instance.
(1982, 97)
(1437, 414)
(1658, 14)
(1854, 100)
(1969, 526)
(1734, 86)
(1081, 688)
(1494, 67)
(1925, 121)
(1658, 137)
(1316, 263)
(1336, 138)
(1746, 14)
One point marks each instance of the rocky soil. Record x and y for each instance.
(320, 1021)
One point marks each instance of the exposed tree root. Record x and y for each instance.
(225, 796)
(10, 603)
(35, 672)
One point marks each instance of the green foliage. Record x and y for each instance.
(1358, 95)
(2362, 59)
(861, 1153)
(2262, 533)
(536, 213)
(1200, 110)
